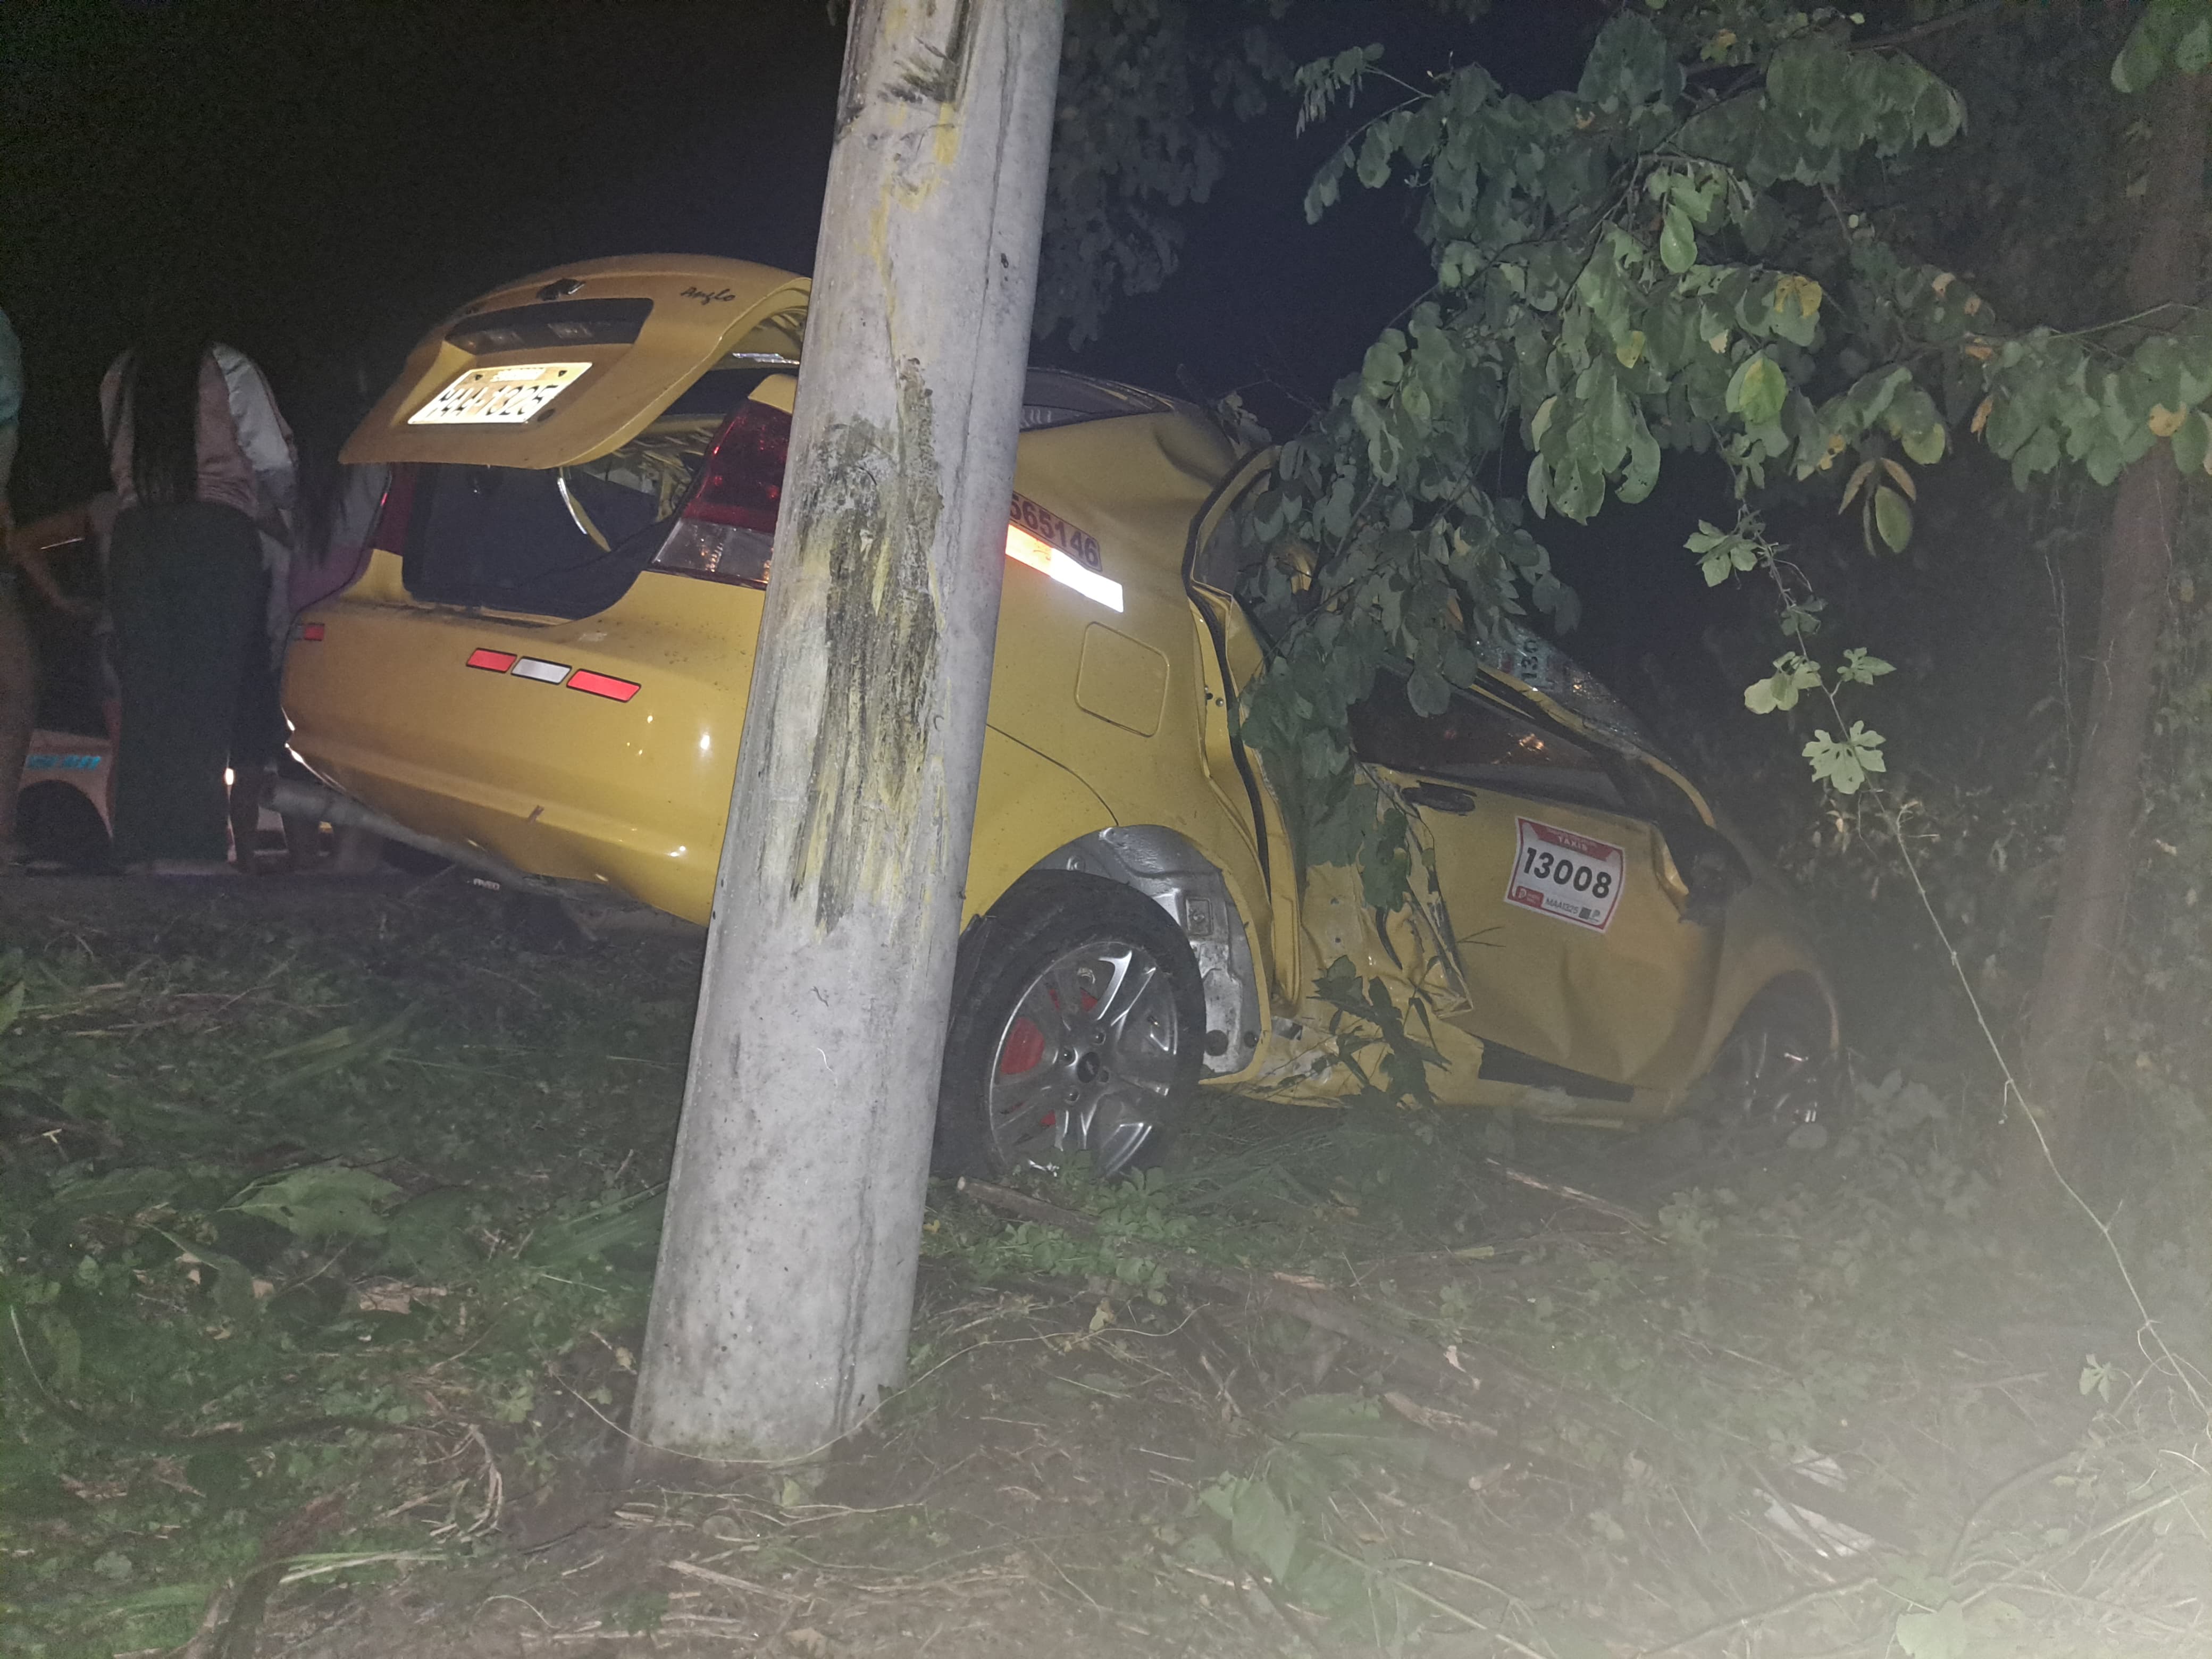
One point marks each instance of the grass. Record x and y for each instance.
(292, 1212)
(329, 1226)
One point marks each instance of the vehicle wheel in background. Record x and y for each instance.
(58, 824)
(1775, 1068)
(1078, 1026)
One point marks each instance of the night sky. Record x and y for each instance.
(323, 181)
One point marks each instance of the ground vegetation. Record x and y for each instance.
(330, 1227)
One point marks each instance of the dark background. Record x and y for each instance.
(327, 180)
(323, 182)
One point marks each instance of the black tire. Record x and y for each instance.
(58, 824)
(1777, 1069)
(1128, 1073)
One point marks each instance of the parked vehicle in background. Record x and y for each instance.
(548, 654)
(67, 784)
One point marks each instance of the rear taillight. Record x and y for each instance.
(727, 530)
(389, 533)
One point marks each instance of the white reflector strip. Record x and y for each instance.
(1064, 568)
(537, 668)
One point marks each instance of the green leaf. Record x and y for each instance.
(1643, 471)
(1385, 365)
(1261, 1527)
(1862, 668)
(2152, 45)
(2193, 52)
(1793, 672)
(1758, 391)
(1938, 1635)
(1843, 765)
(1321, 755)
(1892, 518)
(1678, 243)
(117, 1193)
(162, 1598)
(1925, 446)
(2192, 443)
(1426, 690)
(324, 1200)
(232, 1289)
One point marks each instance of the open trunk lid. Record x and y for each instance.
(561, 367)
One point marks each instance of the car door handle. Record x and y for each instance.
(1438, 799)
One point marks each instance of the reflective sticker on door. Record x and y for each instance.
(1557, 873)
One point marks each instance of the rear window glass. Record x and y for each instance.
(569, 541)
(565, 541)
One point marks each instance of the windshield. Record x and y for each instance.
(1537, 662)
(1475, 741)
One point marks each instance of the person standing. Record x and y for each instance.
(204, 474)
(19, 676)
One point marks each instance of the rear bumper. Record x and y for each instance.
(557, 780)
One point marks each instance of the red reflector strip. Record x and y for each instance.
(311, 630)
(497, 661)
(602, 685)
(537, 668)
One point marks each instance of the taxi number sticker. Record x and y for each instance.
(498, 397)
(1053, 530)
(1558, 873)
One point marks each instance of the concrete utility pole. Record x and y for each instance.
(785, 1283)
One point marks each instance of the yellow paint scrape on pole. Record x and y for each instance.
(785, 1283)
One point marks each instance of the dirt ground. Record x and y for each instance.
(1718, 1388)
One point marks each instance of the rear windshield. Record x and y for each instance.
(569, 541)
(566, 541)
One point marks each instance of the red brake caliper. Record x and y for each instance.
(1022, 1049)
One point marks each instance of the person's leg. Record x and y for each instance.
(144, 671)
(184, 584)
(216, 601)
(19, 707)
(257, 742)
(249, 787)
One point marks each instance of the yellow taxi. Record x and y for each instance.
(548, 652)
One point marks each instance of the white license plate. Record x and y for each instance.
(498, 397)
(1558, 873)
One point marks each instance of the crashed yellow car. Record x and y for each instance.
(548, 652)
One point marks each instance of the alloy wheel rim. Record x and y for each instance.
(1087, 1059)
(1777, 1077)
